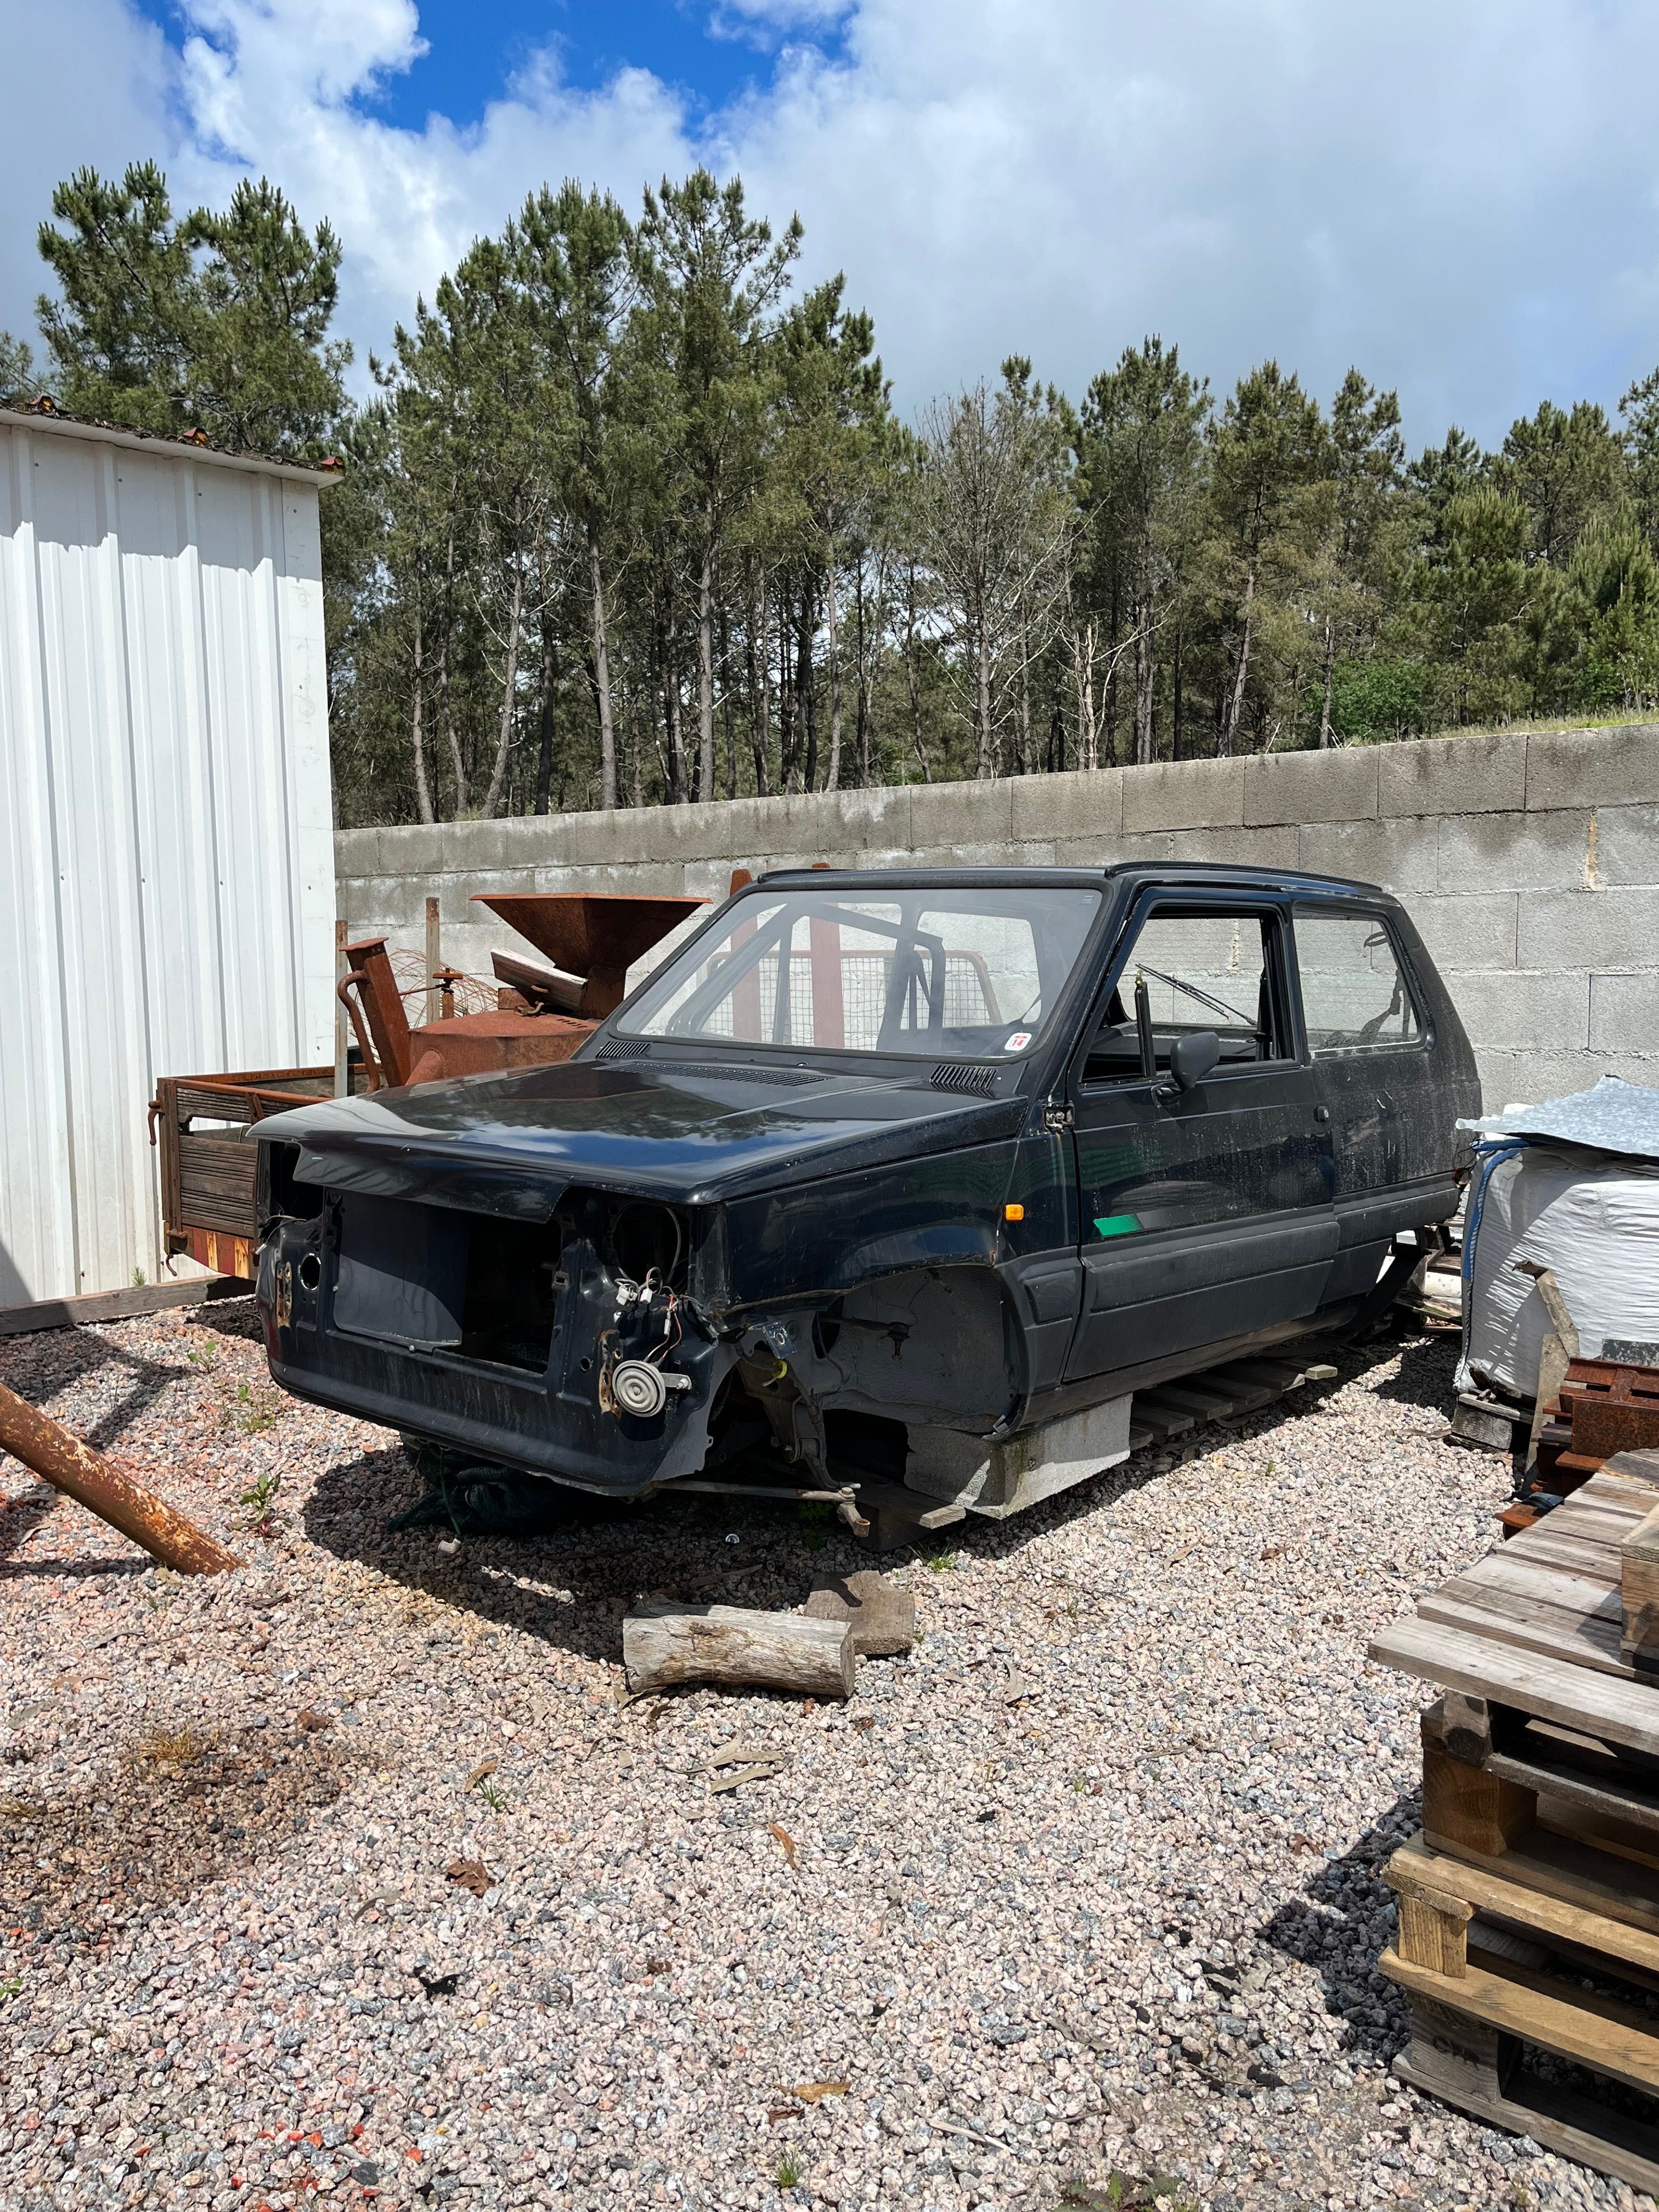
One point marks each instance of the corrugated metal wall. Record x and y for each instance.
(167, 885)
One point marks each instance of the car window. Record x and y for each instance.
(966, 971)
(1355, 997)
(1210, 970)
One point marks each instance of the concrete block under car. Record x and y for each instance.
(998, 1480)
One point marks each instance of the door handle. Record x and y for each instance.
(1321, 1113)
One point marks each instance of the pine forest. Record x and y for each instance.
(628, 516)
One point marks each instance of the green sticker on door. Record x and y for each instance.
(1119, 1224)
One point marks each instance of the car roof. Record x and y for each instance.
(1197, 873)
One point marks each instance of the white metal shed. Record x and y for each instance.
(167, 868)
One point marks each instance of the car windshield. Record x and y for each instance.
(944, 970)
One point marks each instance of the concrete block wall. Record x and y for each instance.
(1529, 863)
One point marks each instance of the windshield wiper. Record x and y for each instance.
(1216, 1005)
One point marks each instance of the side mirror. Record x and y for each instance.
(1191, 1059)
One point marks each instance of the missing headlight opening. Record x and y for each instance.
(647, 1239)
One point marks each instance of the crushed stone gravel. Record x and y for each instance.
(1087, 1884)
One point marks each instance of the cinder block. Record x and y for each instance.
(1589, 929)
(1593, 768)
(455, 895)
(1626, 845)
(378, 903)
(1476, 932)
(1512, 852)
(1340, 786)
(1276, 848)
(1403, 856)
(779, 863)
(1080, 802)
(820, 822)
(1625, 1013)
(945, 816)
(998, 855)
(1522, 1011)
(1202, 794)
(1526, 1079)
(1503, 1080)
(638, 878)
(356, 855)
(1113, 851)
(1485, 775)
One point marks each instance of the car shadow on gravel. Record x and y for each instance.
(596, 1563)
(1342, 1922)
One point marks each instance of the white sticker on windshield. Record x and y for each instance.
(1019, 1041)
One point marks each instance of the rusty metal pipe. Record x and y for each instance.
(61, 1459)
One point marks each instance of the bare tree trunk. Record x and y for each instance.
(788, 737)
(417, 734)
(915, 682)
(1088, 733)
(755, 654)
(463, 794)
(1146, 667)
(986, 763)
(725, 706)
(639, 770)
(1175, 658)
(509, 696)
(544, 720)
(706, 674)
(863, 690)
(1236, 705)
(670, 693)
(809, 711)
(1026, 763)
(601, 667)
(832, 781)
(1330, 675)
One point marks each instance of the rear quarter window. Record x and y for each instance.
(1355, 994)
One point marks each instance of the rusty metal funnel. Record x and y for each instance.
(595, 934)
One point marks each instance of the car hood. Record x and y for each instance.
(508, 1143)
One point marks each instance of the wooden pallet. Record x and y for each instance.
(1541, 1819)
(1479, 2013)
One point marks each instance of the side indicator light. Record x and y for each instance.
(1014, 1213)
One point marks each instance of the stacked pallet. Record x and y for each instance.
(1529, 1923)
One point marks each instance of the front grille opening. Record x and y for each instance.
(507, 1314)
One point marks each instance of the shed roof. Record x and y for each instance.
(44, 414)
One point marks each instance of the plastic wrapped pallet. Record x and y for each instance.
(1593, 1219)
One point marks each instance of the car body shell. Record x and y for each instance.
(853, 1252)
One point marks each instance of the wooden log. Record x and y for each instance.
(664, 1643)
(74, 1467)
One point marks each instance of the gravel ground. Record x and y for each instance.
(1087, 1885)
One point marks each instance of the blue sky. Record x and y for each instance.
(1461, 197)
(474, 53)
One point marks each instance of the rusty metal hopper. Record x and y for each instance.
(595, 934)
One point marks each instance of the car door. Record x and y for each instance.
(1205, 1213)
(1368, 1041)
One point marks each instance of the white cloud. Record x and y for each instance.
(1461, 199)
(88, 87)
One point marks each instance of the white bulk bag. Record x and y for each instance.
(1594, 1221)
